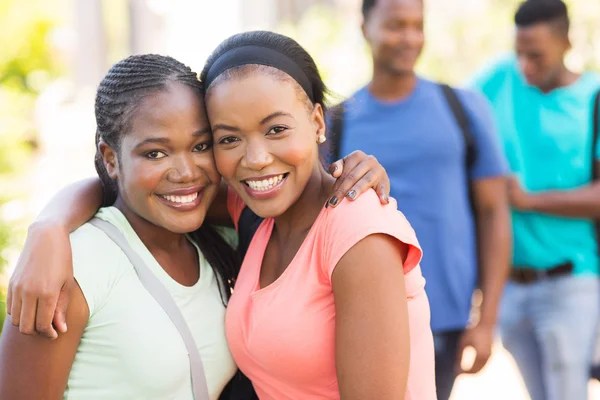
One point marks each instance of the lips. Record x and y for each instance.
(265, 187)
(264, 183)
(186, 199)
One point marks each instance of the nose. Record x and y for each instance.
(184, 169)
(257, 155)
(526, 66)
(413, 36)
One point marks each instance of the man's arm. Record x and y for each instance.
(494, 251)
(582, 202)
(33, 367)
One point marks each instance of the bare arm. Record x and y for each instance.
(73, 205)
(32, 367)
(39, 288)
(372, 331)
(582, 202)
(494, 233)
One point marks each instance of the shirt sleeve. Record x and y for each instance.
(490, 161)
(98, 264)
(235, 206)
(352, 221)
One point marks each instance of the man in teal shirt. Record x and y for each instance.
(550, 308)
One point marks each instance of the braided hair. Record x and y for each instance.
(118, 96)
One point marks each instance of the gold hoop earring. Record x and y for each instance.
(321, 139)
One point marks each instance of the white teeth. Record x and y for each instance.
(265, 184)
(182, 199)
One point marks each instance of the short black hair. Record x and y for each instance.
(367, 6)
(533, 12)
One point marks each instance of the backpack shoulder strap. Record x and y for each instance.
(337, 129)
(164, 299)
(460, 115)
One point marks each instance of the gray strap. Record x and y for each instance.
(162, 296)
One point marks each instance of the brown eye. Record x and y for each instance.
(228, 140)
(202, 147)
(276, 130)
(155, 155)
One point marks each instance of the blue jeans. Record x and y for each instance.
(549, 328)
(446, 346)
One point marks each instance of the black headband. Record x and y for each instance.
(259, 55)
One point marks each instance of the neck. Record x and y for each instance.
(392, 86)
(564, 77)
(301, 215)
(155, 238)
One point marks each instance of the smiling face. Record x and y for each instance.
(265, 132)
(165, 168)
(394, 31)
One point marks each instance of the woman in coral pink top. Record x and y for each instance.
(330, 302)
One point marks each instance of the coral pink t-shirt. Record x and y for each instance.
(283, 336)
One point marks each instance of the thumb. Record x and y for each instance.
(460, 350)
(60, 314)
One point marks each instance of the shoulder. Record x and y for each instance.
(493, 74)
(591, 81)
(352, 221)
(472, 100)
(91, 244)
(98, 264)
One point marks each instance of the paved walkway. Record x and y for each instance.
(499, 380)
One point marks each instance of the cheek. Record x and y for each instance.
(297, 152)
(206, 162)
(140, 178)
(226, 161)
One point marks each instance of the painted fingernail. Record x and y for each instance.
(333, 201)
(335, 168)
(386, 198)
(351, 194)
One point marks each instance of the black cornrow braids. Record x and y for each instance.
(117, 98)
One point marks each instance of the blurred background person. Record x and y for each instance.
(545, 113)
(448, 178)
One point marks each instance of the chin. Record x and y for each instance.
(267, 208)
(402, 69)
(182, 223)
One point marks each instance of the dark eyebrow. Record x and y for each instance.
(202, 132)
(160, 140)
(275, 115)
(225, 128)
(262, 121)
(166, 140)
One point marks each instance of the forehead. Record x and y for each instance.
(389, 9)
(255, 91)
(538, 35)
(176, 104)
